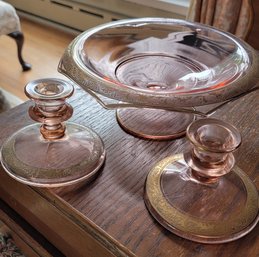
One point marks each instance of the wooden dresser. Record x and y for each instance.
(108, 216)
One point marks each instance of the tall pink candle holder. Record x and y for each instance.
(53, 153)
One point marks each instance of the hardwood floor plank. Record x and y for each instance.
(43, 48)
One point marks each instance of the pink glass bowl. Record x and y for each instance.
(161, 62)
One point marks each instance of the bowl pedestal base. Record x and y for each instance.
(154, 124)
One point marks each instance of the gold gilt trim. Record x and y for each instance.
(180, 221)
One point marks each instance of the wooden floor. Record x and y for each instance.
(43, 48)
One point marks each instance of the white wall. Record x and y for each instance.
(83, 14)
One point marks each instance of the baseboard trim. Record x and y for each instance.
(47, 22)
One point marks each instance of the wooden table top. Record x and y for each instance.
(108, 216)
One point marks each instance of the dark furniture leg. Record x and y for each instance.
(19, 39)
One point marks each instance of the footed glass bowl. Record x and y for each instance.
(161, 62)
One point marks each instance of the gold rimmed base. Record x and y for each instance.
(205, 213)
(74, 159)
(154, 124)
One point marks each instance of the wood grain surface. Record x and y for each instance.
(111, 209)
(253, 38)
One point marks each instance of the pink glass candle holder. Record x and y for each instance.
(201, 195)
(53, 153)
